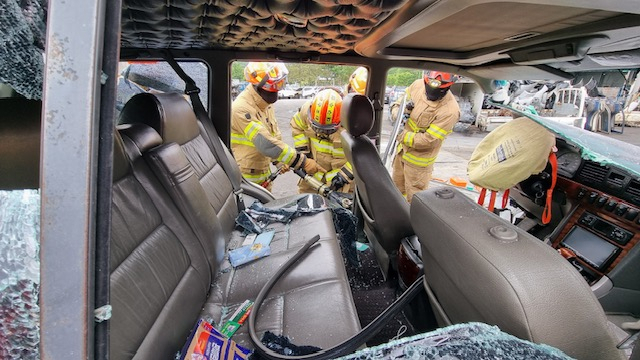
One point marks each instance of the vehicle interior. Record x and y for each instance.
(139, 200)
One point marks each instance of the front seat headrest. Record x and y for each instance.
(356, 115)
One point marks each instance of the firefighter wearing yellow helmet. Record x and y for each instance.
(358, 81)
(256, 140)
(433, 111)
(316, 133)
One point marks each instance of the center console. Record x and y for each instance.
(599, 233)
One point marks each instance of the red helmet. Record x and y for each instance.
(324, 112)
(268, 76)
(439, 79)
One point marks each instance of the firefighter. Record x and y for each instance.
(358, 81)
(316, 133)
(432, 111)
(256, 140)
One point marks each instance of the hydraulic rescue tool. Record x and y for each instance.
(273, 176)
(323, 189)
(390, 151)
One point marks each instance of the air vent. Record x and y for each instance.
(522, 36)
(615, 180)
(593, 173)
(634, 188)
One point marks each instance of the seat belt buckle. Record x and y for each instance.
(239, 193)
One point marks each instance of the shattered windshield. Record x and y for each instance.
(593, 146)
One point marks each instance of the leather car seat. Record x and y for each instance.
(384, 210)
(479, 267)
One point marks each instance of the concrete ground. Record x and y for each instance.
(451, 161)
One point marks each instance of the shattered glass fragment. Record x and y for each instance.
(19, 274)
(248, 223)
(471, 341)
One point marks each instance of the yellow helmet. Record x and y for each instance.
(324, 112)
(266, 75)
(358, 80)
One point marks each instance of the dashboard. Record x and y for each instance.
(599, 233)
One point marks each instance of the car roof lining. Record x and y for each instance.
(464, 38)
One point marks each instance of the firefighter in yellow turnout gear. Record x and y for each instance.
(256, 140)
(433, 111)
(316, 133)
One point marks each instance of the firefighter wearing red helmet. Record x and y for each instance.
(433, 111)
(316, 133)
(256, 140)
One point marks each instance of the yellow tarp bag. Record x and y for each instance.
(510, 154)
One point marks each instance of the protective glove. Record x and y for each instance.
(394, 113)
(408, 107)
(283, 168)
(338, 182)
(311, 167)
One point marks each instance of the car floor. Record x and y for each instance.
(372, 295)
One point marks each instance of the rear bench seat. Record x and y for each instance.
(169, 243)
(172, 117)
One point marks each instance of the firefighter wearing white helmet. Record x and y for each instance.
(433, 111)
(316, 133)
(256, 140)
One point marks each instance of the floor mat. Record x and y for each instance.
(372, 295)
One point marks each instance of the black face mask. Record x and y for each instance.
(268, 96)
(435, 94)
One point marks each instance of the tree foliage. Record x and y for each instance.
(330, 74)
(402, 76)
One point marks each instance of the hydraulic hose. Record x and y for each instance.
(346, 347)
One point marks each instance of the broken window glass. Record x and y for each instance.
(19, 274)
(461, 341)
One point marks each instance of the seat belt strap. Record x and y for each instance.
(212, 138)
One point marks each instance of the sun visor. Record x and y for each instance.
(621, 59)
